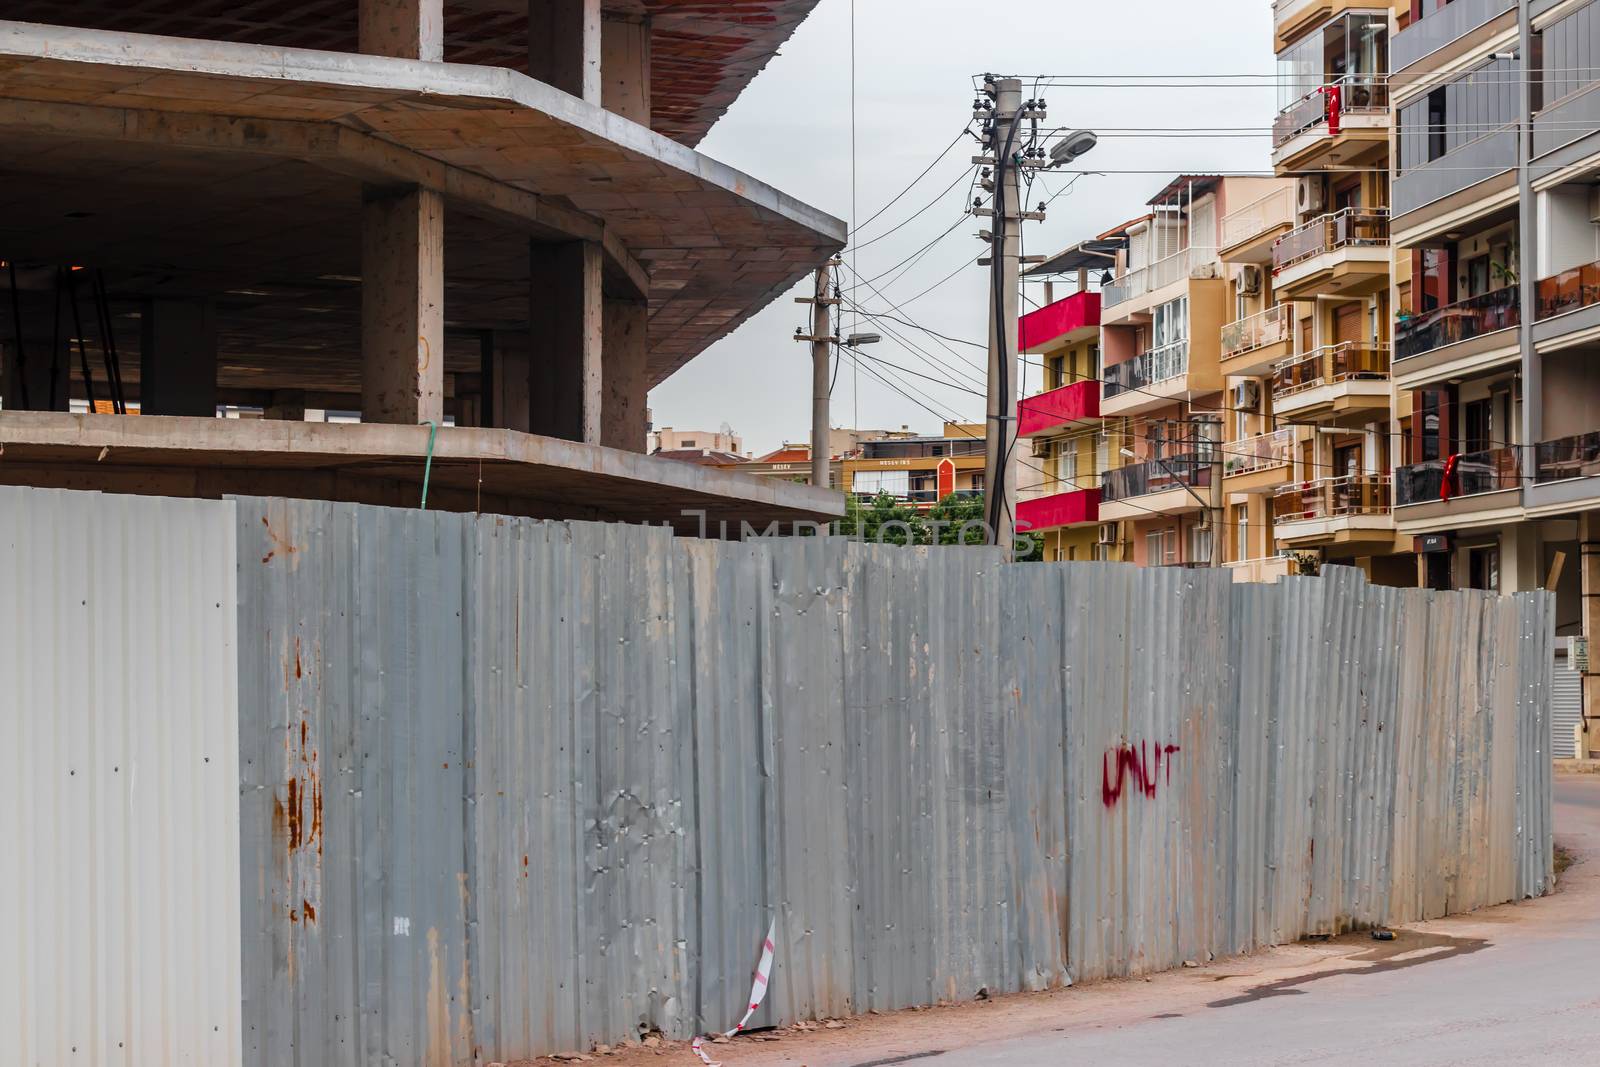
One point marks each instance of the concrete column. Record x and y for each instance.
(625, 68)
(402, 305)
(1589, 565)
(624, 375)
(402, 29)
(565, 337)
(508, 381)
(30, 369)
(178, 358)
(564, 46)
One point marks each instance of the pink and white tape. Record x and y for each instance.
(758, 993)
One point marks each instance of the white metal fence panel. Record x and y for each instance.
(120, 894)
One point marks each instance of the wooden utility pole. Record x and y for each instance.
(1000, 484)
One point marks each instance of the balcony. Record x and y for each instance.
(1356, 507)
(1045, 412)
(1566, 471)
(1448, 26)
(1465, 320)
(1466, 183)
(1333, 380)
(1049, 509)
(1339, 123)
(1167, 486)
(1149, 380)
(1248, 234)
(1476, 473)
(1291, 18)
(1252, 346)
(1260, 463)
(1483, 487)
(1073, 318)
(1139, 289)
(1565, 307)
(1345, 254)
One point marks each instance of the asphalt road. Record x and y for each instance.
(1517, 984)
(1523, 988)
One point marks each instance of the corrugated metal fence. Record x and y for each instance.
(119, 886)
(515, 787)
(510, 787)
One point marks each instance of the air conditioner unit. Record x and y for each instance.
(1108, 533)
(1309, 198)
(1247, 396)
(1043, 447)
(1249, 281)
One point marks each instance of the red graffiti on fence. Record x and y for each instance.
(1143, 763)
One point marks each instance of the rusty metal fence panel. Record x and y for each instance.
(119, 898)
(510, 787)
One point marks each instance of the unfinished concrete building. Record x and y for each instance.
(485, 217)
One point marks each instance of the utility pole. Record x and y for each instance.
(822, 341)
(822, 333)
(1005, 277)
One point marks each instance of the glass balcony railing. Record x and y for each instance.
(1158, 275)
(1353, 94)
(1265, 328)
(1271, 211)
(1330, 365)
(1259, 453)
(1353, 227)
(1569, 290)
(1333, 498)
(1156, 476)
(1475, 473)
(1564, 458)
(1475, 316)
(1147, 368)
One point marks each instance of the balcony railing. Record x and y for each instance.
(1564, 458)
(1330, 365)
(1461, 321)
(1158, 275)
(1569, 290)
(1147, 368)
(1440, 26)
(1353, 227)
(1333, 498)
(1358, 94)
(1264, 328)
(1475, 473)
(1156, 476)
(1271, 211)
(1259, 453)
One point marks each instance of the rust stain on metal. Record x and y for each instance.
(299, 673)
(278, 543)
(310, 910)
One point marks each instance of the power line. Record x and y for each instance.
(925, 171)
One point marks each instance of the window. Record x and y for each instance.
(1057, 376)
(1571, 54)
(977, 483)
(1200, 542)
(1241, 532)
(687, 442)
(1170, 323)
(1472, 106)
(1161, 548)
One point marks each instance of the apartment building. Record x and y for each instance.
(1312, 443)
(917, 471)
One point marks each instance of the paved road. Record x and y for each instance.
(1518, 984)
(1520, 988)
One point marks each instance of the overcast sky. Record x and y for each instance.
(914, 62)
